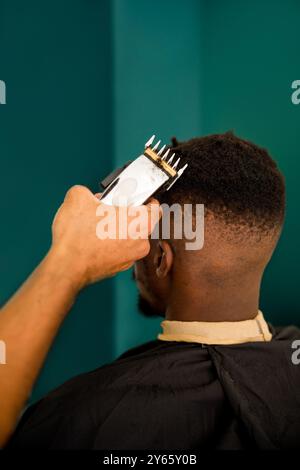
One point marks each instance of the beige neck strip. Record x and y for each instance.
(216, 332)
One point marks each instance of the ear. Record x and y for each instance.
(163, 259)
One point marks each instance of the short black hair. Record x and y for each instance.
(235, 179)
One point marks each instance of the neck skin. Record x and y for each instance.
(233, 301)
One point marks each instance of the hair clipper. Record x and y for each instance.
(137, 180)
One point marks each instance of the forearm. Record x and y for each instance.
(28, 325)
(78, 257)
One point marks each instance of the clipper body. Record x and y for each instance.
(133, 184)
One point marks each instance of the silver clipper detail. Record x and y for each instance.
(133, 184)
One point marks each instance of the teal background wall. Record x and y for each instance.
(88, 81)
(55, 131)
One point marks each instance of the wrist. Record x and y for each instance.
(62, 266)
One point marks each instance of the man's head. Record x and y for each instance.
(243, 194)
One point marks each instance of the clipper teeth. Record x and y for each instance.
(156, 145)
(149, 142)
(166, 154)
(171, 159)
(176, 163)
(164, 157)
(161, 150)
(179, 173)
(182, 169)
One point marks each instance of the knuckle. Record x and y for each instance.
(75, 191)
(144, 248)
(126, 266)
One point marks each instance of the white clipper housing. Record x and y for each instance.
(140, 179)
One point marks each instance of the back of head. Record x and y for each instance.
(243, 194)
(237, 181)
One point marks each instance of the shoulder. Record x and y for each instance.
(283, 333)
(143, 365)
(100, 401)
(156, 363)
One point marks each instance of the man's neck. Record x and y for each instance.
(219, 305)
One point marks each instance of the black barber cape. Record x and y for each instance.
(172, 395)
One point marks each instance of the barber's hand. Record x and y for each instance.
(87, 258)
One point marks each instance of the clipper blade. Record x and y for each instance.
(161, 160)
